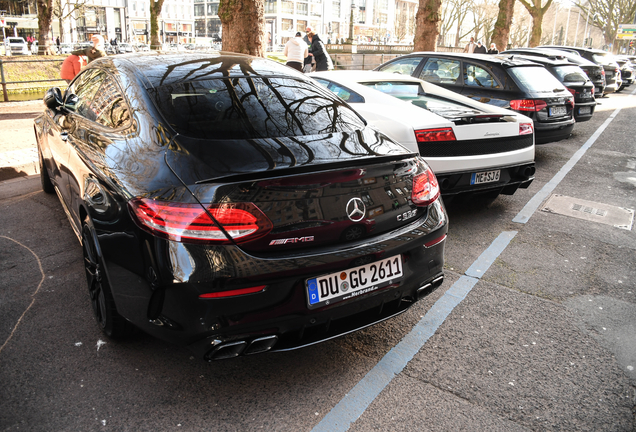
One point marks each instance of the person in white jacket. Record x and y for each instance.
(296, 50)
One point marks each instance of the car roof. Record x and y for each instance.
(484, 58)
(546, 61)
(166, 68)
(354, 76)
(572, 56)
(579, 49)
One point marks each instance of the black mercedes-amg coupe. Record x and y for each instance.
(230, 204)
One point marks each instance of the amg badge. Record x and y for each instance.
(292, 240)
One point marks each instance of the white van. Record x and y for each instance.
(16, 46)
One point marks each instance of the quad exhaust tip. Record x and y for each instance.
(237, 348)
(428, 288)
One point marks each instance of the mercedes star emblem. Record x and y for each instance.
(356, 209)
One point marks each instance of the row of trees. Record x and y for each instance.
(491, 21)
(502, 21)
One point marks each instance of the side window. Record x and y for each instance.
(439, 70)
(85, 87)
(343, 93)
(405, 66)
(476, 76)
(100, 99)
(110, 106)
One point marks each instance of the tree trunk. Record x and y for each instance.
(45, 12)
(426, 25)
(536, 12)
(537, 20)
(501, 33)
(243, 24)
(155, 13)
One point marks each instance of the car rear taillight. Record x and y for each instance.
(571, 91)
(525, 128)
(570, 102)
(603, 72)
(191, 223)
(425, 188)
(430, 135)
(528, 104)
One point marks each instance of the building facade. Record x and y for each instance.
(124, 20)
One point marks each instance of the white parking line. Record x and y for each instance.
(356, 402)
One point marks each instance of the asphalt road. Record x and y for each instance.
(544, 341)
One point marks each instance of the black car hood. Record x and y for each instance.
(218, 161)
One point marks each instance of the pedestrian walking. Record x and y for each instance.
(95, 52)
(309, 60)
(296, 51)
(480, 49)
(71, 66)
(57, 42)
(319, 52)
(470, 47)
(493, 49)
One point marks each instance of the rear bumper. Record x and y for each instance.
(610, 88)
(584, 106)
(277, 317)
(550, 132)
(511, 178)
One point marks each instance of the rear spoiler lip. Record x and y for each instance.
(313, 168)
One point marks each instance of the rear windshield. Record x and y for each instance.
(604, 59)
(570, 74)
(16, 40)
(414, 93)
(535, 79)
(253, 107)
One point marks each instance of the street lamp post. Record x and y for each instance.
(567, 28)
(350, 40)
(576, 33)
(555, 20)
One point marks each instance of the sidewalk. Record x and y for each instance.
(18, 151)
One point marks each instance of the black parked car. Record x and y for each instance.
(601, 58)
(595, 72)
(229, 203)
(520, 85)
(574, 79)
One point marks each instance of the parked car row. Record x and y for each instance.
(556, 88)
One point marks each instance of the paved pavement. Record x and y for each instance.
(18, 152)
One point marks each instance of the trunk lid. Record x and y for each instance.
(317, 191)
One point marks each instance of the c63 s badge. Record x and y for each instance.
(291, 240)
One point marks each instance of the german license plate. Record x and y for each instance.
(346, 284)
(484, 177)
(585, 110)
(558, 110)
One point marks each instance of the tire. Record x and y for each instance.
(47, 185)
(108, 319)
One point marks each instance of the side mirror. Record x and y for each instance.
(53, 98)
(70, 102)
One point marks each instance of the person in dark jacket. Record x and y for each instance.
(318, 51)
(480, 49)
(95, 52)
(493, 49)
